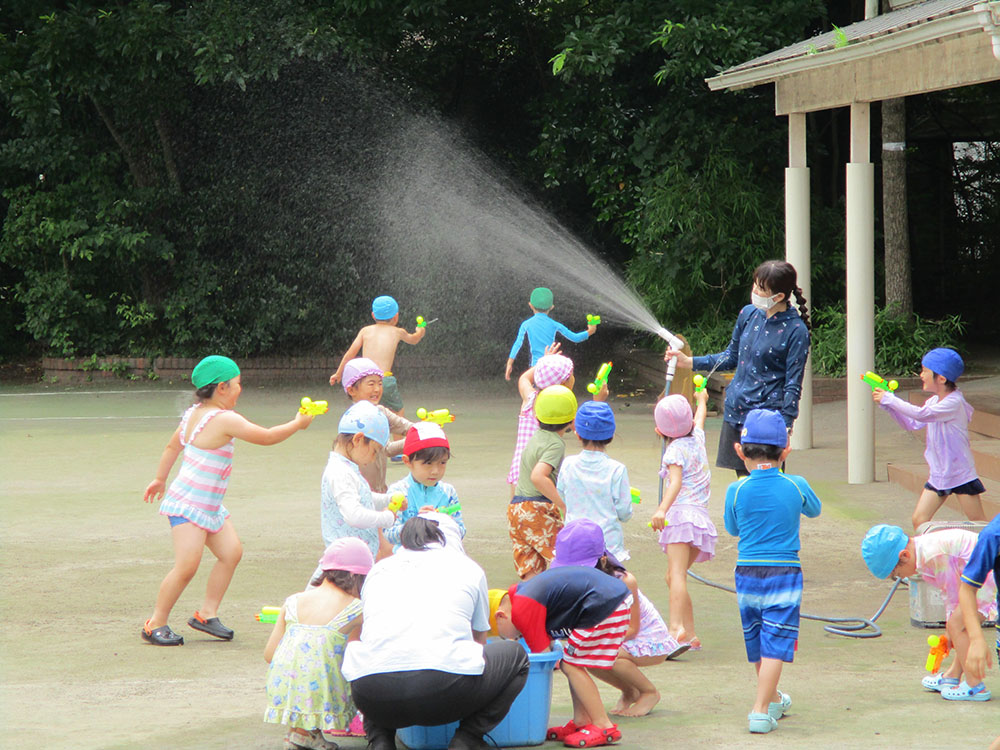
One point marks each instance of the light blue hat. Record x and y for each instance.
(384, 307)
(881, 547)
(365, 417)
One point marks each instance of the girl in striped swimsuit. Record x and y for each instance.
(193, 504)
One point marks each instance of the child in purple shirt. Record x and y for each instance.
(946, 416)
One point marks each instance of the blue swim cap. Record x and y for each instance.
(595, 420)
(881, 547)
(945, 362)
(765, 427)
(384, 307)
(365, 417)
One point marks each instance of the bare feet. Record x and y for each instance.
(643, 705)
(625, 702)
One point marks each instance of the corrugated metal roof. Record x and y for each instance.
(882, 25)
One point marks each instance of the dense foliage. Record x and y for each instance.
(179, 177)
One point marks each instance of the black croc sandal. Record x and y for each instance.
(212, 626)
(161, 636)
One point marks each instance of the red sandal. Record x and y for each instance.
(561, 733)
(593, 736)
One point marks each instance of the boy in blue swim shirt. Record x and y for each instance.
(764, 510)
(541, 330)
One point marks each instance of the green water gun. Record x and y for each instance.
(877, 381)
(636, 495)
(421, 323)
(593, 320)
(700, 382)
(315, 408)
(450, 509)
(268, 614)
(601, 380)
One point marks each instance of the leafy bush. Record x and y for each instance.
(899, 342)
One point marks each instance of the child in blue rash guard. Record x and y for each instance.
(985, 557)
(426, 453)
(764, 510)
(541, 330)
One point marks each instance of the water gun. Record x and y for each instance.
(421, 323)
(315, 408)
(268, 614)
(396, 502)
(441, 416)
(593, 320)
(601, 380)
(939, 650)
(450, 509)
(877, 381)
(699, 383)
(636, 495)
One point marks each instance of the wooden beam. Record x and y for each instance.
(943, 64)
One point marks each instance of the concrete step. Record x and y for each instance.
(912, 477)
(986, 454)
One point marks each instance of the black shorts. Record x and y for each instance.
(975, 487)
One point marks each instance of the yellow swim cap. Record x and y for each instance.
(555, 405)
(496, 595)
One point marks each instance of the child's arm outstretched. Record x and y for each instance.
(351, 353)
(702, 409)
(675, 473)
(412, 338)
(237, 426)
(156, 488)
(912, 417)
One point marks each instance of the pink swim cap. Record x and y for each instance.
(552, 369)
(673, 416)
(347, 553)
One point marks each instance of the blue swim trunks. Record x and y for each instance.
(769, 597)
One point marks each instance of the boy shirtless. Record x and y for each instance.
(378, 343)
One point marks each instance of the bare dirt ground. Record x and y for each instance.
(83, 556)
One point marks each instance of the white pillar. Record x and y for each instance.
(860, 299)
(798, 253)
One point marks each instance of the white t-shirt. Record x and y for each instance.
(420, 609)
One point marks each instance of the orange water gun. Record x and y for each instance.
(939, 650)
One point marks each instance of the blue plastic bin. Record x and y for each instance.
(525, 723)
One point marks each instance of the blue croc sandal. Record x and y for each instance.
(936, 682)
(777, 710)
(761, 723)
(965, 693)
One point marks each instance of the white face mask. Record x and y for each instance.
(763, 303)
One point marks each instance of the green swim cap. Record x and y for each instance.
(541, 298)
(214, 369)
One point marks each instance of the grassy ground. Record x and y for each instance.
(83, 556)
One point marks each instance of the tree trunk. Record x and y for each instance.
(895, 218)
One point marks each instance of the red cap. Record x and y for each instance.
(424, 435)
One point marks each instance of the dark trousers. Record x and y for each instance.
(392, 700)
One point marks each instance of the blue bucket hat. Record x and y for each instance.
(384, 307)
(595, 420)
(765, 427)
(365, 417)
(944, 362)
(881, 547)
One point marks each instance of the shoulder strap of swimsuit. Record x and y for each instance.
(201, 425)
